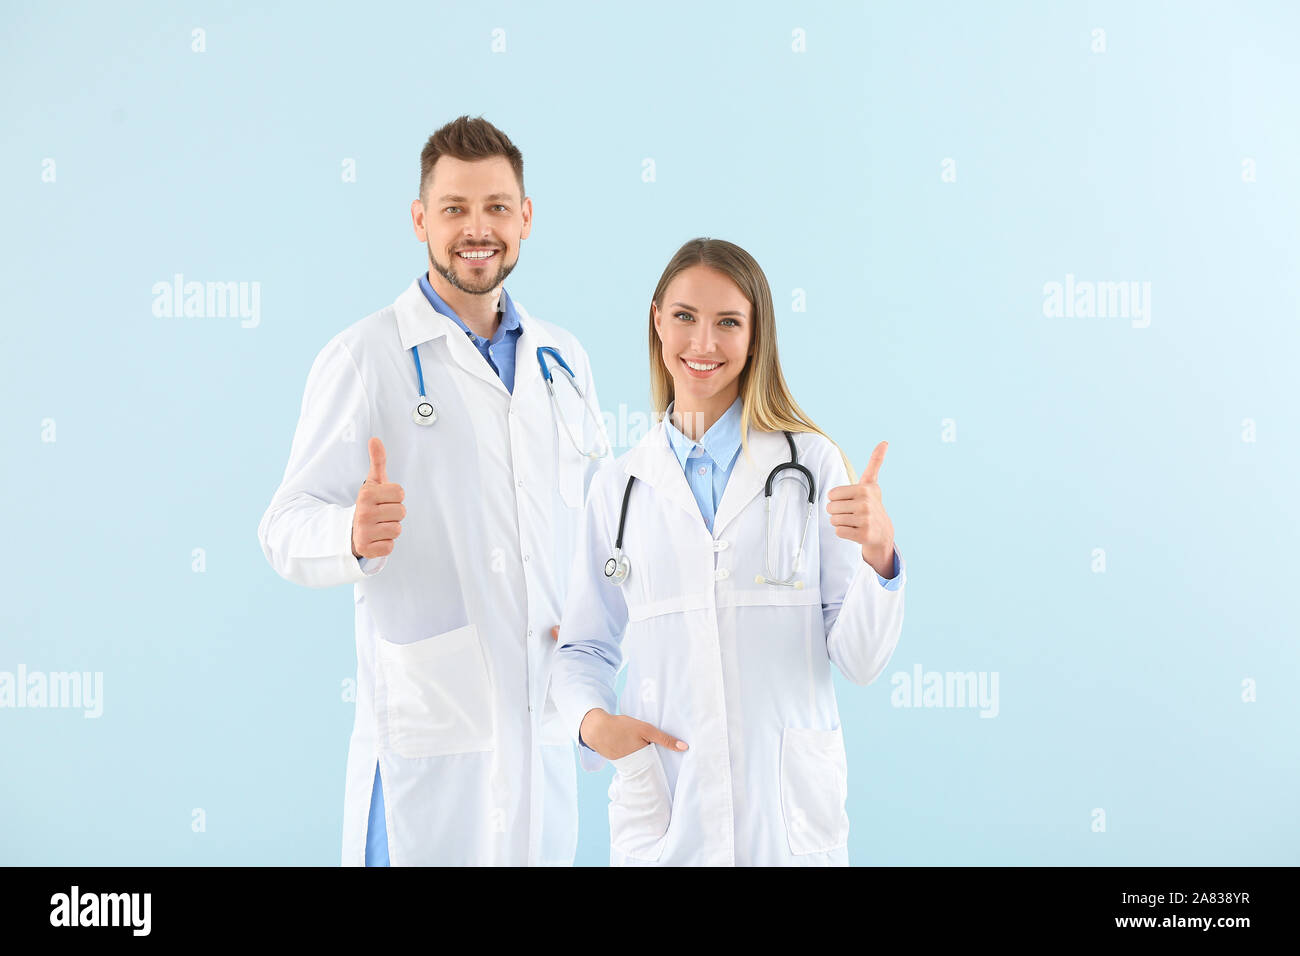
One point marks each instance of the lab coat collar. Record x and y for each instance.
(720, 442)
(509, 316)
(419, 322)
(654, 462)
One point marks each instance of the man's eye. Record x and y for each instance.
(499, 206)
(451, 208)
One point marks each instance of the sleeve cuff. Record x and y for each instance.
(892, 583)
(587, 758)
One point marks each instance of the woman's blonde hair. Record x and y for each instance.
(766, 403)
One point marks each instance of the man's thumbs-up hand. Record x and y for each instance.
(378, 519)
(858, 514)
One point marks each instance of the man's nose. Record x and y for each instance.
(477, 226)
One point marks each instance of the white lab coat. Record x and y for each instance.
(453, 629)
(737, 669)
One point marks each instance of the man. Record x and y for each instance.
(432, 469)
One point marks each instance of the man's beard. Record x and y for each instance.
(473, 286)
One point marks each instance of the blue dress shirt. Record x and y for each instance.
(499, 352)
(709, 461)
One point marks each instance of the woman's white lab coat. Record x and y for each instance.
(453, 629)
(737, 669)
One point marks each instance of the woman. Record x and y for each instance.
(726, 742)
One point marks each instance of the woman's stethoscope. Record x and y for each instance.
(618, 566)
(425, 414)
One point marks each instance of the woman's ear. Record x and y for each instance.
(654, 311)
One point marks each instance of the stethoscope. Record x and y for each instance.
(618, 566)
(425, 414)
(603, 447)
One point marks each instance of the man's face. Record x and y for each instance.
(473, 220)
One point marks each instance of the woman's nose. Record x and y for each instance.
(702, 340)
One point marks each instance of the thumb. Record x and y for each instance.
(872, 471)
(377, 462)
(555, 633)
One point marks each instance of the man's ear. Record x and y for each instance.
(417, 220)
(526, 209)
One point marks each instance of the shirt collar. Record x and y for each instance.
(509, 320)
(720, 442)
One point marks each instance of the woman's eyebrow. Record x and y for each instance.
(693, 309)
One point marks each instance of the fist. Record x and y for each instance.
(858, 514)
(378, 519)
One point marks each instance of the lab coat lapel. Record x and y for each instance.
(418, 322)
(468, 357)
(528, 374)
(653, 462)
(748, 477)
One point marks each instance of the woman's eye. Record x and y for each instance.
(733, 322)
(689, 317)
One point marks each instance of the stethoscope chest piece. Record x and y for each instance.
(424, 413)
(616, 568)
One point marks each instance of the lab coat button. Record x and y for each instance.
(526, 557)
(721, 545)
(721, 574)
(520, 483)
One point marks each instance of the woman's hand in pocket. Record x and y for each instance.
(614, 735)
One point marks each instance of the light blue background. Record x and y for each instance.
(1120, 690)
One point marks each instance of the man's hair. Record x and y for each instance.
(469, 138)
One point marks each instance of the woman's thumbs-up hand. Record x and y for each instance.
(378, 519)
(858, 514)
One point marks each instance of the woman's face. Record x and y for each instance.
(705, 327)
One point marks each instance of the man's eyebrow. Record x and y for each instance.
(493, 197)
(693, 309)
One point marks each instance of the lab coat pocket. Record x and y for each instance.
(814, 786)
(439, 694)
(640, 805)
